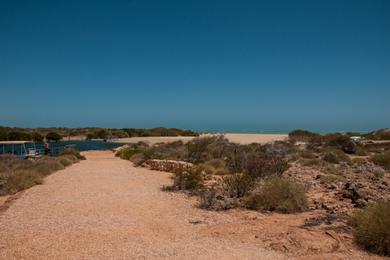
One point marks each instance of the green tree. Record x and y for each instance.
(37, 137)
(53, 136)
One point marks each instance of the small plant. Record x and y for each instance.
(336, 156)
(53, 136)
(371, 227)
(213, 166)
(127, 153)
(259, 165)
(72, 151)
(278, 194)
(300, 135)
(382, 160)
(17, 174)
(188, 180)
(238, 185)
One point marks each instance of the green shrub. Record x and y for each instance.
(120, 134)
(382, 160)
(188, 180)
(53, 136)
(37, 137)
(127, 153)
(18, 136)
(371, 227)
(137, 159)
(342, 142)
(300, 135)
(335, 156)
(278, 194)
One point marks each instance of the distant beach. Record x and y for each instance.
(233, 137)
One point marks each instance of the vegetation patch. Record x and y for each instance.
(18, 174)
(278, 194)
(72, 151)
(382, 160)
(191, 180)
(371, 227)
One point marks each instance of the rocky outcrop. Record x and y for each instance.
(168, 165)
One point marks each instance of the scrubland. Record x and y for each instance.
(341, 180)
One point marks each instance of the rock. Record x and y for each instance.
(355, 193)
(378, 171)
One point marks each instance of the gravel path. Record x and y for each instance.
(104, 208)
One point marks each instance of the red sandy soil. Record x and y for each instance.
(104, 208)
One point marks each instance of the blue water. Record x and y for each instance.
(85, 145)
(56, 147)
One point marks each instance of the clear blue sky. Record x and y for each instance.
(204, 65)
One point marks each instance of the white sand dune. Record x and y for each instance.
(233, 137)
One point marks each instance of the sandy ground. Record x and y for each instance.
(236, 138)
(104, 208)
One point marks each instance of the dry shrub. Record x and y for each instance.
(238, 185)
(371, 227)
(21, 180)
(65, 161)
(300, 135)
(137, 159)
(208, 198)
(47, 165)
(191, 180)
(307, 154)
(278, 194)
(263, 165)
(213, 166)
(127, 153)
(382, 160)
(336, 156)
(312, 162)
(18, 174)
(72, 151)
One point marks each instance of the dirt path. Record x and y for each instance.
(103, 208)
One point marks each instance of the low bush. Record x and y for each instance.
(137, 159)
(300, 135)
(188, 180)
(312, 162)
(382, 160)
(371, 227)
(214, 166)
(17, 174)
(238, 185)
(307, 154)
(72, 151)
(259, 165)
(21, 180)
(127, 153)
(278, 194)
(335, 156)
(53, 136)
(65, 161)
(342, 142)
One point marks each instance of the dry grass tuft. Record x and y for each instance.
(371, 227)
(278, 194)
